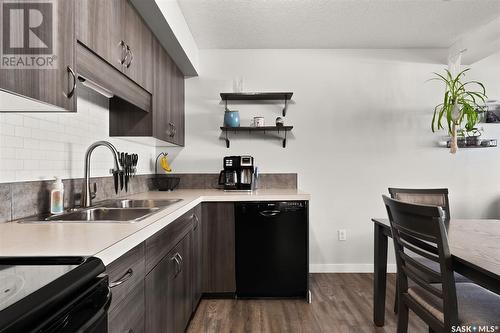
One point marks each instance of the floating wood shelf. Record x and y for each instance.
(250, 129)
(258, 96)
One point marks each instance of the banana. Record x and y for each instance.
(164, 164)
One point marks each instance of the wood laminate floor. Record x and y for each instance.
(341, 303)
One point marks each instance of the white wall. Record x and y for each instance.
(362, 123)
(37, 146)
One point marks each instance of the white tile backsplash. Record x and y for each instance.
(39, 146)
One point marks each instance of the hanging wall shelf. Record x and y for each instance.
(259, 96)
(279, 129)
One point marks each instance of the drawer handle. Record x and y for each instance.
(128, 274)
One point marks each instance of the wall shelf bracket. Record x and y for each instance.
(228, 143)
(265, 129)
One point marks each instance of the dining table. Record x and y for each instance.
(475, 250)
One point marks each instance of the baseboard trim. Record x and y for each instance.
(347, 268)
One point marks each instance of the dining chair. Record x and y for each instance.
(423, 196)
(421, 230)
(429, 196)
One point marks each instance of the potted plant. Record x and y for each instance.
(461, 106)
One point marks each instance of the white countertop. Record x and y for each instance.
(109, 241)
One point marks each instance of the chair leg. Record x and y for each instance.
(402, 317)
(396, 297)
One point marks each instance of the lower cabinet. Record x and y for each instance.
(157, 285)
(197, 281)
(128, 316)
(219, 267)
(126, 276)
(168, 290)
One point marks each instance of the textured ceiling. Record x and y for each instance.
(334, 23)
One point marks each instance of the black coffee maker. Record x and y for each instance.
(237, 174)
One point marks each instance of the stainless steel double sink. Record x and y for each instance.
(110, 211)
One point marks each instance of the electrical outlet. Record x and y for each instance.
(342, 234)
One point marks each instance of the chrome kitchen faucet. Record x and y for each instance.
(86, 200)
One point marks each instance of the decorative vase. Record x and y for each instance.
(231, 118)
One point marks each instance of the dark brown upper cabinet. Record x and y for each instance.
(114, 30)
(168, 98)
(52, 43)
(165, 124)
(139, 49)
(99, 26)
(177, 105)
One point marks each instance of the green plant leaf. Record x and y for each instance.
(469, 102)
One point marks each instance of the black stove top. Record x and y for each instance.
(34, 290)
(20, 280)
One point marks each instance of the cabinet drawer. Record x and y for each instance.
(125, 274)
(128, 315)
(160, 244)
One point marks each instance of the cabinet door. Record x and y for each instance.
(197, 257)
(168, 291)
(177, 105)
(163, 66)
(160, 296)
(100, 27)
(219, 272)
(49, 84)
(139, 43)
(128, 316)
(183, 285)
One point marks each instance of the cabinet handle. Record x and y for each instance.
(124, 53)
(171, 126)
(73, 89)
(181, 263)
(129, 52)
(196, 221)
(177, 264)
(128, 274)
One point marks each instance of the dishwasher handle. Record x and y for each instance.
(269, 213)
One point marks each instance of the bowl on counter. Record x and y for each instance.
(165, 183)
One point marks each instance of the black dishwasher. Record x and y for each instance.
(272, 258)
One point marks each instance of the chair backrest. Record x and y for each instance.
(424, 196)
(420, 230)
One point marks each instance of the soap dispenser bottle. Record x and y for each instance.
(57, 197)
